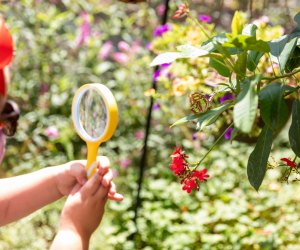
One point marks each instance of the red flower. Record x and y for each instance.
(182, 11)
(200, 175)
(189, 185)
(289, 162)
(178, 164)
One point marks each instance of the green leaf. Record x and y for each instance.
(237, 24)
(244, 111)
(250, 30)
(296, 31)
(186, 51)
(240, 64)
(167, 57)
(294, 60)
(281, 50)
(205, 118)
(258, 159)
(286, 53)
(189, 51)
(246, 43)
(220, 66)
(253, 59)
(273, 109)
(294, 132)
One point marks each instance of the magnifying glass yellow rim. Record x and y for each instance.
(112, 121)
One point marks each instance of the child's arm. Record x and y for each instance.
(22, 195)
(82, 214)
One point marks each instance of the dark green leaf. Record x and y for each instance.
(258, 159)
(205, 118)
(244, 111)
(294, 60)
(220, 66)
(294, 132)
(240, 64)
(253, 59)
(286, 53)
(273, 109)
(282, 49)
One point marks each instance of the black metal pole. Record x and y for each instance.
(147, 131)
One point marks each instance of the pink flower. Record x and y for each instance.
(105, 50)
(125, 163)
(124, 47)
(139, 134)
(121, 58)
(52, 132)
(84, 31)
(160, 9)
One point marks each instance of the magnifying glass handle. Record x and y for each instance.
(92, 149)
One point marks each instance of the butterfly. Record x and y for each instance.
(133, 1)
(199, 103)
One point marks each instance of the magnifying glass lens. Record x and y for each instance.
(93, 113)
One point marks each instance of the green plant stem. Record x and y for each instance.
(282, 76)
(198, 24)
(211, 148)
(290, 92)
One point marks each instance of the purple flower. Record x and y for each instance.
(165, 65)
(156, 106)
(85, 30)
(205, 18)
(226, 97)
(156, 74)
(195, 136)
(227, 134)
(160, 30)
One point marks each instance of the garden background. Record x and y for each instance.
(59, 46)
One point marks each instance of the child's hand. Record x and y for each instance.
(84, 209)
(72, 173)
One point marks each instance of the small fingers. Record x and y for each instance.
(107, 178)
(112, 189)
(115, 197)
(92, 185)
(103, 164)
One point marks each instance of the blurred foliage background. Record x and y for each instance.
(61, 45)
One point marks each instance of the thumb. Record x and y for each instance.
(79, 172)
(75, 189)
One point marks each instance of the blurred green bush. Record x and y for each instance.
(60, 45)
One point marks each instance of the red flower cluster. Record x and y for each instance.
(190, 179)
(290, 163)
(182, 11)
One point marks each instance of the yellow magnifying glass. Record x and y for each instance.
(95, 118)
